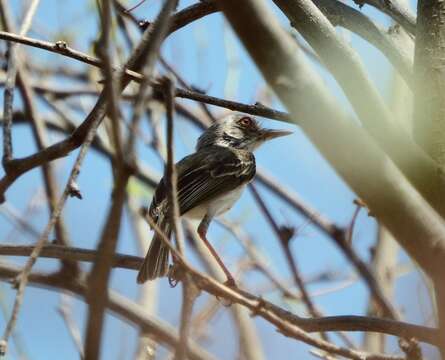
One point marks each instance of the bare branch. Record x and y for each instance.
(111, 81)
(350, 230)
(148, 292)
(340, 238)
(340, 14)
(23, 279)
(100, 273)
(121, 306)
(20, 166)
(180, 19)
(285, 245)
(396, 10)
(330, 323)
(11, 74)
(98, 280)
(250, 346)
(345, 65)
(353, 154)
(384, 262)
(39, 132)
(261, 307)
(189, 290)
(256, 109)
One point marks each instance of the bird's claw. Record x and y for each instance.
(174, 275)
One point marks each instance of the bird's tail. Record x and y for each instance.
(156, 261)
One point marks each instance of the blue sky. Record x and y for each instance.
(208, 55)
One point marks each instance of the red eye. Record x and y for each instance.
(245, 121)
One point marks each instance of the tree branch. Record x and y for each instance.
(345, 65)
(38, 128)
(121, 306)
(352, 153)
(429, 106)
(401, 57)
(396, 10)
(260, 307)
(330, 323)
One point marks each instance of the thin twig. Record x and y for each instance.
(338, 235)
(65, 311)
(118, 304)
(189, 291)
(148, 292)
(100, 273)
(105, 52)
(20, 166)
(39, 132)
(256, 109)
(250, 344)
(326, 226)
(285, 244)
(330, 323)
(23, 278)
(170, 173)
(261, 307)
(11, 74)
(18, 219)
(350, 230)
(192, 13)
(397, 10)
(257, 260)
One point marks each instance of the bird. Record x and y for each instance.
(209, 182)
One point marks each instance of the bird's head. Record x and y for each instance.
(238, 131)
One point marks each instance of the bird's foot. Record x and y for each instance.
(175, 275)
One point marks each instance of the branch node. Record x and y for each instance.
(287, 233)
(260, 306)
(61, 46)
(74, 190)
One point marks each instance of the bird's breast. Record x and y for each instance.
(216, 206)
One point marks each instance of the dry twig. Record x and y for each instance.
(329, 323)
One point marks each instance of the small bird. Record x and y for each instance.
(209, 182)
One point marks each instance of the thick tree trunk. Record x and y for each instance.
(429, 66)
(429, 110)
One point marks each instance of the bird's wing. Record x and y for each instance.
(205, 175)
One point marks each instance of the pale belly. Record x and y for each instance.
(217, 206)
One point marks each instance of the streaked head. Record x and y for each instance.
(238, 131)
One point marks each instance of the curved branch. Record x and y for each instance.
(179, 20)
(337, 12)
(347, 68)
(356, 157)
(340, 14)
(330, 323)
(17, 167)
(118, 304)
(323, 224)
(393, 8)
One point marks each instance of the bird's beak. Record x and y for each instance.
(269, 134)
